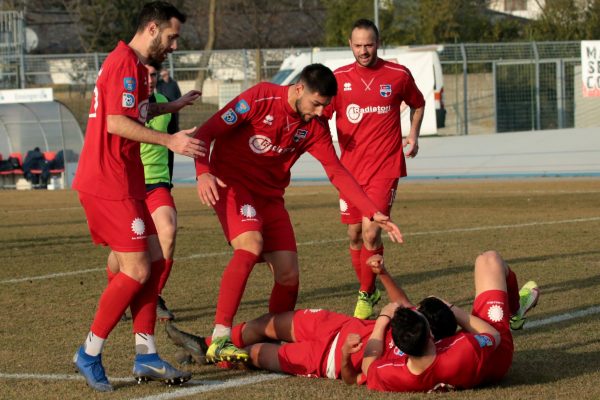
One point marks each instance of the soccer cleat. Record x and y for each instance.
(92, 370)
(528, 298)
(365, 303)
(162, 312)
(221, 349)
(194, 345)
(150, 367)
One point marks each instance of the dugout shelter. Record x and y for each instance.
(48, 125)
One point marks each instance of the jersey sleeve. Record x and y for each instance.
(322, 149)
(236, 113)
(411, 93)
(122, 90)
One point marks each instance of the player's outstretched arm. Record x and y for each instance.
(207, 188)
(174, 106)
(353, 344)
(374, 346)
(385, 223)
(180, 143)
(395, 292)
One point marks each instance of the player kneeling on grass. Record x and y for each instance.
(406, 348)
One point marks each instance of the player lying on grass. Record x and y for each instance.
(406, 348)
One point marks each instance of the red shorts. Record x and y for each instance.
(161, 196)
(240, 211)
(314, 330)
(123, 225)
(492, 307)
(382, 193)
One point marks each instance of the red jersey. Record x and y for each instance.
(364, 328)
(110, 166)
(460, 362)
(368, 118)
(258, 136)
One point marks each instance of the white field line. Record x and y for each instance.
(314, 242)
(203, 386)
(28, 210)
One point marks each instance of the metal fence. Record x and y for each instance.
(488, 88)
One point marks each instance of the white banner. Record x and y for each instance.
(590, 68)
(26, 95)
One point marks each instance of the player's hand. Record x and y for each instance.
(187, 99)
(185, 144)
(352, 344)
(387, 225)
(207, 188)
(376, 264)
(411, 146)
(389, 310)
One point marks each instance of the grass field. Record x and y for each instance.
(548, 230)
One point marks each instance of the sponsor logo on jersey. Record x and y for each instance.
(355, 113)
(261, 144)
(385, 90)
(347, 86)
(484, 341)
(138, 227)
(229, 116)
(268, 120)
(143, 111)
(242, 107)
(128, 100)
(129, 84)
(300, 134)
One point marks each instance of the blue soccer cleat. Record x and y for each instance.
(150, 367)
(92, 370)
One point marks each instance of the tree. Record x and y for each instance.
(340, 15)
(560, 20)
(208, 47)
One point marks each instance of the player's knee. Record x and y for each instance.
(139, 272)
(372, 238)
(487, 259)
(249, 241)
(355, 236)
(288, 276)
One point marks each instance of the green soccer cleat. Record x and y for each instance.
(528, 299)
(221, 349)
(365, 303)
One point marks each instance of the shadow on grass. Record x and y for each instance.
(549, 365)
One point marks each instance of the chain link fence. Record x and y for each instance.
(488, 88)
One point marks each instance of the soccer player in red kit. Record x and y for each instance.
(110, 182)
(367, 105)
(406, 348)
(257, 137)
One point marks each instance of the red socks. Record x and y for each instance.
(165, 275)
(113, 303)
(355, 257)
(283, 298)
(236, 336)
(512, 289)
(233, 284)
(367, 277)
(143, 306)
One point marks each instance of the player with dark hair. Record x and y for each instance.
(397, 351)
(257, 138)
(110, 182)
(367, 109)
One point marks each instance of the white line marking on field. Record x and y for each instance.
(28, 210)
(563, 317)
(250, 380)
(314, 242)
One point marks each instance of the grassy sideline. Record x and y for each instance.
(547, 229)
